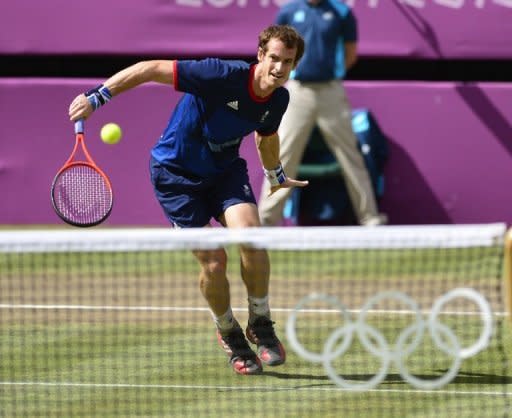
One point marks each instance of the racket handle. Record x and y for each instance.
(79, 126)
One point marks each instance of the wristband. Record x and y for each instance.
(98, 96)
(276, 176)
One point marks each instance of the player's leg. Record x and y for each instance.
(185, 205)
(214, 286)
(255, 271)
(254, 263)
(215, 289)
(335, 124)
(294, 131)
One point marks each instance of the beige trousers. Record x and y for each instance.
(326, 105)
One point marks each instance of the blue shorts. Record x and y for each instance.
(189, 201)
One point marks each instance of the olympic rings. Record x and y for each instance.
(376, 344)
(292, 319)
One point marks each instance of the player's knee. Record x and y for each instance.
(215, 265)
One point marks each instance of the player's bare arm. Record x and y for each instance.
(160, 71)
(268, 151)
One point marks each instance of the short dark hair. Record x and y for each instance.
(286, 34)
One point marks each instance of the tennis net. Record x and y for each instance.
(395, 321)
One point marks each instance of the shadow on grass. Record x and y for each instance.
(466, 378)
(463, 378)
(296, 376)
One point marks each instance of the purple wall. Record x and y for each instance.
(411, 28)
(451, 148)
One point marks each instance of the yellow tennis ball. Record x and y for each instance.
(111, 133)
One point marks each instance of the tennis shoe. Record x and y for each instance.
(270, 350)
(241, 357)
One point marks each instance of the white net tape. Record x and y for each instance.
(285, 238)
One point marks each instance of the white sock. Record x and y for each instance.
(258, 307)
(224, 322)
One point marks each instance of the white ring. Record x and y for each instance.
(428, 384)
(401, 297)
(291, 332)
(384, 355)
(485, 314)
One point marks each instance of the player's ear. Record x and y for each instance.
(261, 54)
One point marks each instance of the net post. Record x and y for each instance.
(508, 273)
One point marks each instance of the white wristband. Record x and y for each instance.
(276, 176)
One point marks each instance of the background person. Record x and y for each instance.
(198, 174)
(317, 97)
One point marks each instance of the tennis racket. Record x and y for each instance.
(81, 193)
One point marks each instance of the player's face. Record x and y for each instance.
(276, 63)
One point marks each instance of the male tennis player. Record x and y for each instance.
(198, 174)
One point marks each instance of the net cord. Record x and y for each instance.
(272, 238)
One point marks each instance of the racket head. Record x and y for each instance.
(81, 194)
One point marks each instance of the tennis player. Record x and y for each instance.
(198, 174)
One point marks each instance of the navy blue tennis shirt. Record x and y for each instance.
(325, 27)
(219, 108)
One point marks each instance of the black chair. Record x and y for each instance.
(325, 201)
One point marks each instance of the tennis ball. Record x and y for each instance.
(111, 133)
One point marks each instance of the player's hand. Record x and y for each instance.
(80, 108)
(289, 183)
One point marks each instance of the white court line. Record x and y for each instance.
(238, 388)
(204, 309)
(204, 387)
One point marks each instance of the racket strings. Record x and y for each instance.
(82, 195)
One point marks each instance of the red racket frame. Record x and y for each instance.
(70, 162)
